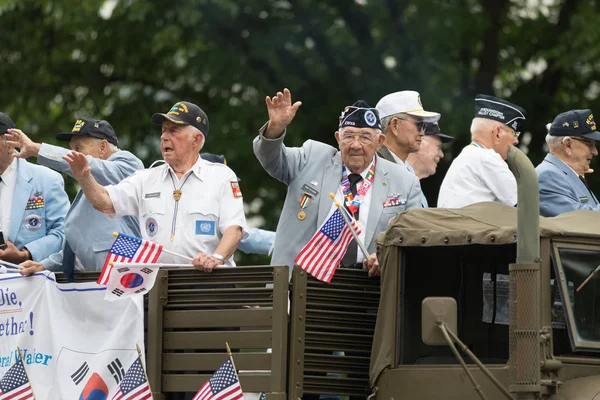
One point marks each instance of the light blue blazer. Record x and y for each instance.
(88, 232)
(561, 190)
(38, 226)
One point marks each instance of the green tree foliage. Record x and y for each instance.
(123, 60)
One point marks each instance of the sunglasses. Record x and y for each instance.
(421, 125)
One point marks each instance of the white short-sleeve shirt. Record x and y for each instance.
(476, 175)
(210, 202)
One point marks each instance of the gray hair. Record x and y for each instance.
(111, 147)
(195, 131)
(553, 142)
(482, 125)
(385, 121)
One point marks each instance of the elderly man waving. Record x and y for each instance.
(190, 206)
(315, 170)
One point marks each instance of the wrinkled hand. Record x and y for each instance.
(205, 263)
(31, 267)
(79, 165)
(27, 147)
(12, 254)
(281, 112)
(373, 265)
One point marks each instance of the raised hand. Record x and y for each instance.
(281, 112)
(27, 147)
(79, 165)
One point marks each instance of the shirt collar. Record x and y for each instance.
(197, 169)
(10, 172)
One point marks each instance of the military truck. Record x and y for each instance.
(488, 301)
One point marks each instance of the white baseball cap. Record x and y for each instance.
(407, 102)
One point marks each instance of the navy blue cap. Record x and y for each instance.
(5, 123)
(360, 115)
(96, 128)
(491, 107)
(434, 130)
(184, 113)
(575, 123)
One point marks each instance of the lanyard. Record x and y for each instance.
(474, 143)
(176, 195)
(353, 202)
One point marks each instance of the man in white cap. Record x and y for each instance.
(480, 172)
(403, 120)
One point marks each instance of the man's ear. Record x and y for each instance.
(337, 136)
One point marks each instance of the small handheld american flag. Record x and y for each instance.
(129, 249)
(15, 384)
(322, 254)
(222, 385)
(134, 385)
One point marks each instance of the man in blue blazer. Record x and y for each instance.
(88, 232)
(571, 143)
(33, 204)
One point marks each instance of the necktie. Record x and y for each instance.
(350, 257)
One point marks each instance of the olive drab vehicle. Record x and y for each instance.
(484, 302)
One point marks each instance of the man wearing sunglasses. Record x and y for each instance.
(480, 172)
(403, 121)
(571, 144)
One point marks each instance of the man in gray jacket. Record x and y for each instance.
(374, 189)
(88, 232)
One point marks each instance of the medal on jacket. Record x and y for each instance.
(304, 202)
(177, 194)
(353, 202)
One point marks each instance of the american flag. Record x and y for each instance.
(322, 254)
(15, 385)
(134, 385)
(223, 385)
(129, 249)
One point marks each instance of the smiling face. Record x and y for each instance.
(358, 146)
(579, 153)
(425, 161)
(180, 145)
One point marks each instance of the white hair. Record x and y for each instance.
(554, 142)
(482, 125)
(385, 121)
(111, 147)
(195, 131)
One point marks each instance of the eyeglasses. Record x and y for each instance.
(364, 138)
(589, 143)
(515, 133)
(421, 125)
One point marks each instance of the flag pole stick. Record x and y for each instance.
(11, 265)
(161, 265)
(115, 234)
(588, 278)
(233, 364)
(343, 212)
(143, 368)
(26, 374)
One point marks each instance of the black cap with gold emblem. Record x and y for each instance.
(575, 123)
(184, 113)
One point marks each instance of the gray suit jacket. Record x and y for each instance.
(320, 163)
(561, 190)
(88, 232)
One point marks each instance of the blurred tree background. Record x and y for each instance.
(122, 60)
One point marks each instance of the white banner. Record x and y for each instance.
(75, 344)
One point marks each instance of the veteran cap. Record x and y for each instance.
(575, 123)
(5, 123)
(184, 113)
(406, 102)
(95, 128)
(491, 107)
(434, 130)
(360, 115)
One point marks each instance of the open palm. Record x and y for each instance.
(281, 110)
